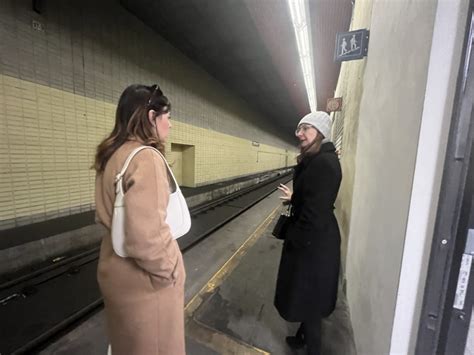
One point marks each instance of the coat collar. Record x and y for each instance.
(325, 148)
(328, 147)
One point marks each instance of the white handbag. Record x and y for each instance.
(177, 212)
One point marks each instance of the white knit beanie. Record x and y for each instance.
(321, 121)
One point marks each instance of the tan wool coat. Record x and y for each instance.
(143, 293)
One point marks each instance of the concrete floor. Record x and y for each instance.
(242, 306)
(238, 316)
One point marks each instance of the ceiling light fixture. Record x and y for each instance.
(299, 17)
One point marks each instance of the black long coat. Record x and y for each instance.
(309, 267)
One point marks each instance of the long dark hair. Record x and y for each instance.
(131, 121)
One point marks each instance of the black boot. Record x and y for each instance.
(296, 341)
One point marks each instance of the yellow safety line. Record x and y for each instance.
(212, 284)
(227, 268)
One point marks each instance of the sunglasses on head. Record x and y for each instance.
(155, 91)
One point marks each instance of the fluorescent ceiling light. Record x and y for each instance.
(300, 19)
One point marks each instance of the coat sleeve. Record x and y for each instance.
(147, 236)
(321, 187)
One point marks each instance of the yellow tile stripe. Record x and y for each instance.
(48, 139)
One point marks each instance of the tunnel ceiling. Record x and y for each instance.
(250, 47)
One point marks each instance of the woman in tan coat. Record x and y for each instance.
(144, 292)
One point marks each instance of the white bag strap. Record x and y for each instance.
(119, 176)
(168, 167)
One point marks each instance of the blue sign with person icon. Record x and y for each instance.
(351, 45)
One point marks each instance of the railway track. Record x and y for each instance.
(39, 306)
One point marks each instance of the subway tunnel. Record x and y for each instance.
(240, 74)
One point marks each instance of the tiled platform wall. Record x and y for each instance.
(59, 85)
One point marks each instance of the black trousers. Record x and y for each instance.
(310, 330)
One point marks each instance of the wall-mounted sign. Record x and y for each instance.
(351, 45)
(38, 26)
(334, 104)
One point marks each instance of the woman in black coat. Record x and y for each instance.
(308, 274)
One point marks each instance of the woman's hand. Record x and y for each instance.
(286, 197)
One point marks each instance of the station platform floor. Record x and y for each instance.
(230, 285)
